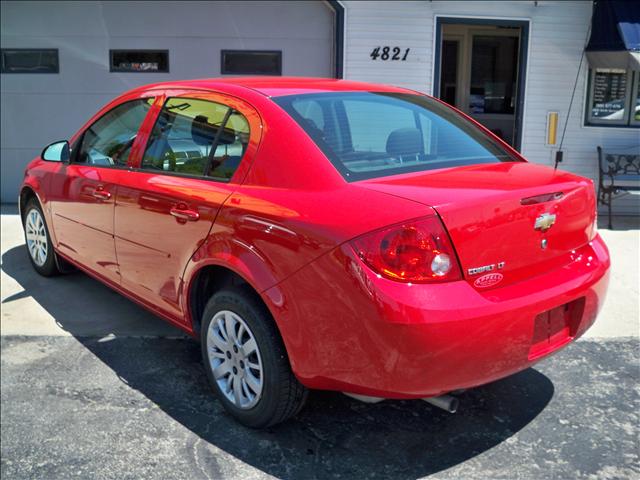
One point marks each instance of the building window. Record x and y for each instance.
(30, 60)
(613, 97)
(149, 61)
(251, 62)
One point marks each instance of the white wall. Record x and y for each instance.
(558, 31)
(40, 108)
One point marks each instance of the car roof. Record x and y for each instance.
(279, 86)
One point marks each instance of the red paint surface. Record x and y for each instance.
(284, 223)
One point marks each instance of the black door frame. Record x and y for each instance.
(338, 41)
(523, 54)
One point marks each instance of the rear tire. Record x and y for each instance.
(38, 240)
(246, 362)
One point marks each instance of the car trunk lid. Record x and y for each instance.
(508, 221)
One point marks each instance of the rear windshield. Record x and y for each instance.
(369, 135)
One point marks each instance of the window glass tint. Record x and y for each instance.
(311, 111)
(183, 139)
(251, 62)
(139, 60)
(40, 60)
(494, 63)
(371, 123)
(109, 140)
(368, 135)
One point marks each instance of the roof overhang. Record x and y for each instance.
(615, 35)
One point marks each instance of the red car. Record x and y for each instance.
(322, 234)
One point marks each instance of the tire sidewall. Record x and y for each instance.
(269, 345)
(49, 267)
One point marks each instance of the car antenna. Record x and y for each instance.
(573, 93)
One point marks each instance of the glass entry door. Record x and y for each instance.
(479, 74)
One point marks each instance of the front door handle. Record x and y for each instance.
(101, 194)
(184, 214)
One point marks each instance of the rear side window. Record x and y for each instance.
(369, 135)
(197, 137)
(108, 141)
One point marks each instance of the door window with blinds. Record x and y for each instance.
(197, 138)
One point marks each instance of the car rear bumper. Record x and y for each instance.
(346, 329)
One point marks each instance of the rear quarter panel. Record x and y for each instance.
(292, 208)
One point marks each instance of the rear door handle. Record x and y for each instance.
(184, 214)
(101, 194)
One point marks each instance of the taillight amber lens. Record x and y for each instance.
(418, 251)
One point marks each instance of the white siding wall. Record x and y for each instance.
(557, 31)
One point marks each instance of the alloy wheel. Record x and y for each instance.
(235, 359)
(36, 234)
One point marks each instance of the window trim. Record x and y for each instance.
(635, 92)
(4, 71)
(139, 167)
(627, 121)
(142, 50)
(223, 71)
(77, 144)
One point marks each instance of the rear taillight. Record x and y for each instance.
(418, 251)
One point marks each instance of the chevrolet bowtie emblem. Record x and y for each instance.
(544, 222)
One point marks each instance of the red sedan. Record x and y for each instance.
(322, 234)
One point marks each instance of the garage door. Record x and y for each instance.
(93, 51)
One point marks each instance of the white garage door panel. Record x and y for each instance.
(34, 121)
(40, 108)
(297, 19)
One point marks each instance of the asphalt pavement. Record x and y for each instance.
(92, 386)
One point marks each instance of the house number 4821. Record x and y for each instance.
(389, 53)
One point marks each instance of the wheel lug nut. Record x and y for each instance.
(235, 371)
(235, 348)
(241, 364)
(229, 355)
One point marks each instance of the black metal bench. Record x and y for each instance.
(619, 174)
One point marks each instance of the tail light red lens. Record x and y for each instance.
(418, 251)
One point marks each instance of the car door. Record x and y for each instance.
(83, 191)
(195, 156)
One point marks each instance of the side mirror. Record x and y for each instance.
(56, 152)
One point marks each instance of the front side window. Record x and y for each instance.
(369, 135)
(197, 137)
(613, 97)
(108, 141)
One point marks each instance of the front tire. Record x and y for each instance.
(38, 240)
(246, 362)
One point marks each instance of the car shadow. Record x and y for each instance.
(334, 436)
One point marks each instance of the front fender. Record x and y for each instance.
(36, 178)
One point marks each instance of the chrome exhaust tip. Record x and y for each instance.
(445, 402)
